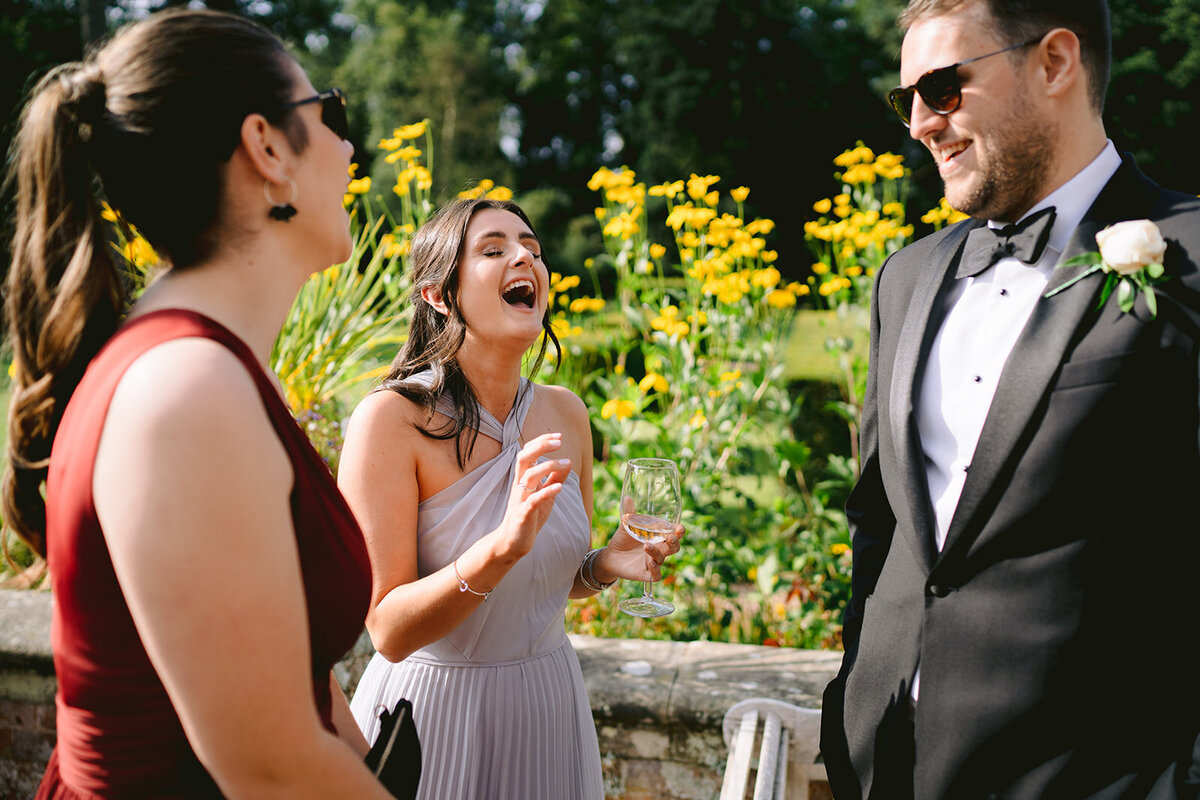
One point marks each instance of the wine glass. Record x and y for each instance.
(650, 507)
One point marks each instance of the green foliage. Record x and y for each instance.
(411, 62)
(344, 325)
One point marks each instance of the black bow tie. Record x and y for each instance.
(1023, 241)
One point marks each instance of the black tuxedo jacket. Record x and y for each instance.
(1057, 630)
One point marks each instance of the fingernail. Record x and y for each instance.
(564, 462)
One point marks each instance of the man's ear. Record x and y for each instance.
(1059, 61)
(267, 149)
(433, 296)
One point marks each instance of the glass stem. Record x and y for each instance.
(646, 589)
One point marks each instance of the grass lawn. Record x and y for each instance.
(807, 358)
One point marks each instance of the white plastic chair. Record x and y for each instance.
(784, 733)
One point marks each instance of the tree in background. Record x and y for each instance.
(411, 62)
(539, 94)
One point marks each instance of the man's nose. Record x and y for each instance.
(923, 121)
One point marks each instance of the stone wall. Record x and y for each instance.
(658, 706)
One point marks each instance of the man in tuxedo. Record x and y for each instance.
(1027, 525)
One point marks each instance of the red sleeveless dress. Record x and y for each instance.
(118, 735)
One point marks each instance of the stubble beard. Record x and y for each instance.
(1011, 182)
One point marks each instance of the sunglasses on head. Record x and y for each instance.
(333, 110)
(941, 88)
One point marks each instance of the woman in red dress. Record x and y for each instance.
(206, 573)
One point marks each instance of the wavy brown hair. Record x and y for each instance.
(147, 121)
(434, 338)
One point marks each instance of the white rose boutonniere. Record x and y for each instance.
(1131, 256)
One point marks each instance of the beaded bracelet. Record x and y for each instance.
(587, 575)
(463, 586)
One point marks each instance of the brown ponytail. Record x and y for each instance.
(63, 294)
(148, 122)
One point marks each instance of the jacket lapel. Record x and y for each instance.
(921, 323)
(1038, 354)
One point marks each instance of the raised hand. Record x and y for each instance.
(535, 485)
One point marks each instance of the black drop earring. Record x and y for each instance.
(281, 211)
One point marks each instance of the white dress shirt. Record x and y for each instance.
(986, 315)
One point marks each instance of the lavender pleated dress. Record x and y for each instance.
(499, 704)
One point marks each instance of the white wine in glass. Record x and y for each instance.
(651, 504)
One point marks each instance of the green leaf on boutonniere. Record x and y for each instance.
(1110, 281)
(1092, 259)
(1148, 293)
(1155, 271)
(1125, 294)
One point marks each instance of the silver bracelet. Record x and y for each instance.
(587, 575)
(463, 586)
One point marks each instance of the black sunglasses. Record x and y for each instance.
(333, 110)
(941, 88)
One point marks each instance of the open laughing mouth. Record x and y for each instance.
(520, 292)
(946, 155)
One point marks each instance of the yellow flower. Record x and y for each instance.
(106, 212)
(854, 271)
(653, 381)
(697, 186)
(582, 304)
(392, 246)
(893, 209)
(360, 186)
(390, 144)
(501, 193)
(12, 369)
(760, 227)
(769, 256)
(622, 226)
(601, 213)
(698, 419)
(657, 251)
(766, 278)
(561, 284)
(666, 189)
(621, 409)
(822, 206)
(798, 289)
(417, 129)
(562, 328)
(139, 252)
(859, 173)
(864, 154)
(605, 178)
(712, 198)
(842, 200)
(699, 318)
(848, 158)
(820, 268)
(839, 548)
(781, 298)
(732, 375)
(739, 194)
(406, 153)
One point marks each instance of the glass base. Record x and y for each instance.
(646, 607)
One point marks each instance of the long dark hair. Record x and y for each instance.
(434, 339)
(146, 121)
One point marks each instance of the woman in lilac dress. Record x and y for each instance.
(473, 487)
